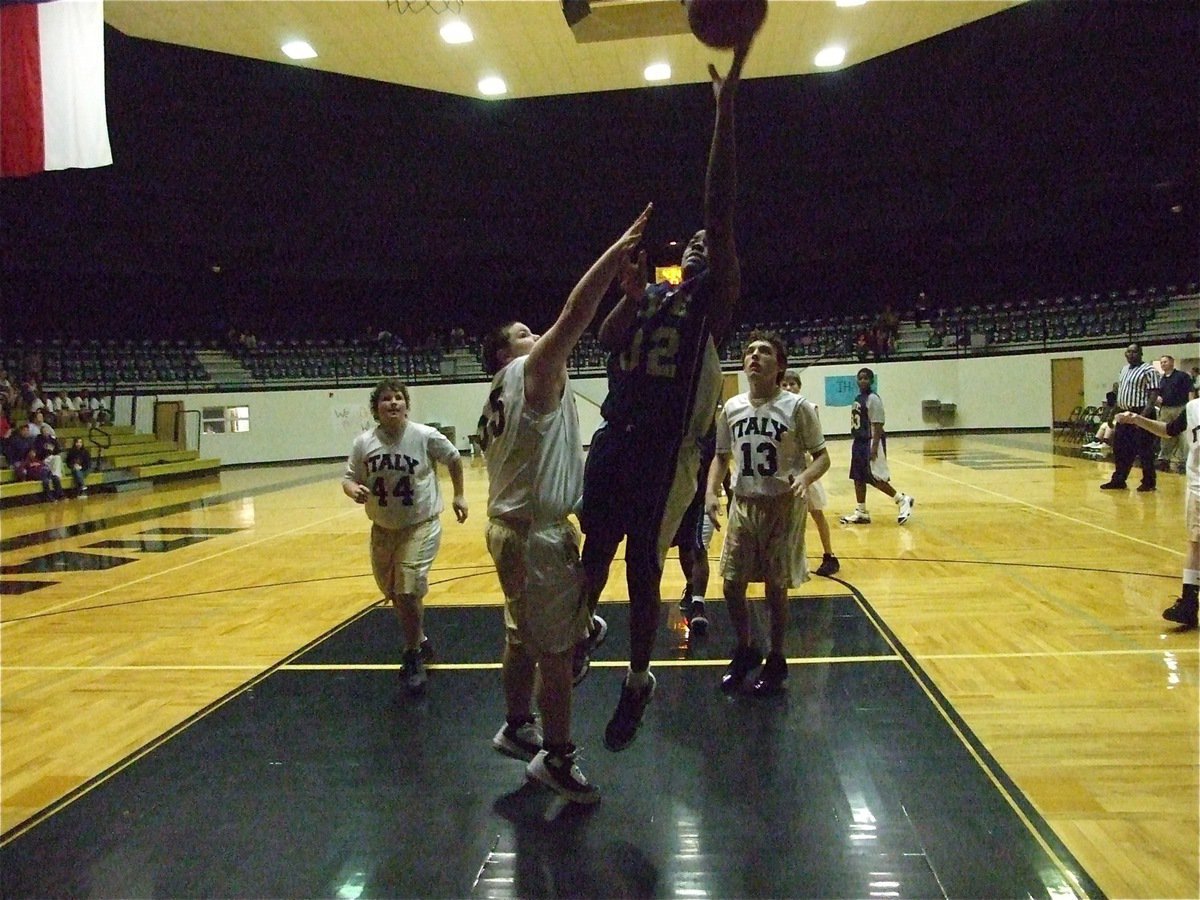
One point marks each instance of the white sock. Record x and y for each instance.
(1191, 576)
(637, 680)
(697, 597)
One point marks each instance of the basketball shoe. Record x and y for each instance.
(829, 565)
(412, 673)
(905, 504)
(581, 664)
(858, 517)
(523, 741)
(622, 728)
(745, 660)
(559, 771)
(1182, 612)
(770, 680)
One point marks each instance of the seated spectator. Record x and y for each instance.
(32, 429)
(30, 388)
(6, 432)
(30, 468)
(8, 393)
(79, 461)
(69, 412)
(90, 408)
(35, 404)
(48, 450)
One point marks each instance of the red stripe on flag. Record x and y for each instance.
(22, 136)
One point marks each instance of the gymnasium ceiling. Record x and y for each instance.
(529, 43)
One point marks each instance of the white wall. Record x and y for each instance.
(989, 392)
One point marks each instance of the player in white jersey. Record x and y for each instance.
(1186, 426)
(392, 471)
(765, 434)
(530, 435)
(818, 498)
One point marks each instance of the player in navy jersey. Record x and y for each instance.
(664, 382)
(868, 455)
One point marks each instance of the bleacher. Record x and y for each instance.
(123, 457)
(1151, 314)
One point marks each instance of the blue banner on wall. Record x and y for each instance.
(840, 390)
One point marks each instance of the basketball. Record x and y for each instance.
(723, 24)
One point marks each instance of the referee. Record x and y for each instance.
(1136, 386)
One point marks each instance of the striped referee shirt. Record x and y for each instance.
(1135, 386)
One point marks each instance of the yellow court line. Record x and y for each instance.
(1052, 512)
(245, 667)
(123, 586)
(1037, 654)
(596, 664)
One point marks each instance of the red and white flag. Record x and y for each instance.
(52, 112)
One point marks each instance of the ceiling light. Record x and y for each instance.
(657, 72)
(830, 56)
(457, 32)
(299, 50)
(492, 86)
(851, 2)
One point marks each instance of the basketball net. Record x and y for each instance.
(436, 6)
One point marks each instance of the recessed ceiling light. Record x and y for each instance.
(657, 72)
(492, 86)
(299, 50)
(457, 32)
(830, 56)
(851, 2)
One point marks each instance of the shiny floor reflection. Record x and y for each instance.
(325, 780)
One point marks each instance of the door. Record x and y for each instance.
(1066, 388)
(165, 416)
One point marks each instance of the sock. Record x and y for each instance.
(637, 680)
(862, 507)
(1191, 585)
(697, 598)
(898, 499)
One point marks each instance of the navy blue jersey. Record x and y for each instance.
(654, 381)
(860, 419)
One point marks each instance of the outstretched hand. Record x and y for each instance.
(633, 234)
(633, 272)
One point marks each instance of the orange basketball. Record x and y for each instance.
(723, 24)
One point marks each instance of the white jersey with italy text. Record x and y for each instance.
(534, 460)
(768, 441)
(401, 473)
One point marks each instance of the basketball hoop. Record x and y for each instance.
(436, 6)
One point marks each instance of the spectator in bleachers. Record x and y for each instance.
(8, 393)
(49, 450)
(79, 461)
(33, 426)
(70, 408)
(30, 388)
(885, 332)
(6, 431)
(36, 404)
(30, 468)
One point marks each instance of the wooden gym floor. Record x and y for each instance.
(199, 698)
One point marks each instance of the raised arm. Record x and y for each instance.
(546, 368)
(720, 192)
(614, 330)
